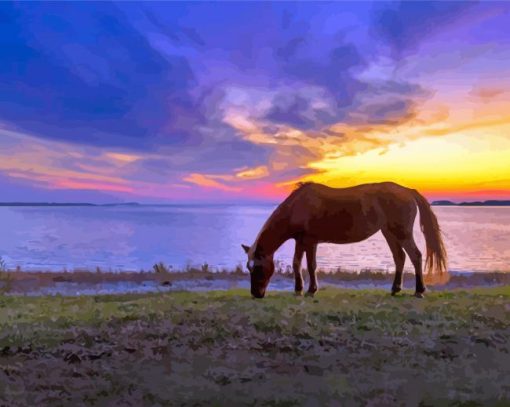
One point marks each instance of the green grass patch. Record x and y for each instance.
(343, 347)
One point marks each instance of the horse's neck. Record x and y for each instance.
(274, 233)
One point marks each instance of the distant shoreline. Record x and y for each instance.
(64, 204)
(475, 203)
(44, 204)
(129, 204)
(136, 204)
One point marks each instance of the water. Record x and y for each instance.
(197, 285)
(132, 238)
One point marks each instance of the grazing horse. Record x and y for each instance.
(315, 213)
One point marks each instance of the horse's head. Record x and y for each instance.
(261, 269)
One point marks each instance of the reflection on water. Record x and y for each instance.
(131, 238)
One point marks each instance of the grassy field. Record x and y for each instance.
(341, 348)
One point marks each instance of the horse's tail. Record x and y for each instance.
(436, 260)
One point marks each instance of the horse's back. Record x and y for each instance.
(319, 194)
(346, 215)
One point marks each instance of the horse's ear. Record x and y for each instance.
(246, 248)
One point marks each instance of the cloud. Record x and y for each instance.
(17, 190)
(253, 173)
(206, 181)
(291, 109)
(404, 25)
(327, 82)
(84, 74)
(391, 112)
(123, 158)
(487, 93)
(96, 76)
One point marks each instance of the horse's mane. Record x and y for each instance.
(297, 187)
(302, 184)
(280, 208)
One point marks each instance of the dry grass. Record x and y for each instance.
(27, 281)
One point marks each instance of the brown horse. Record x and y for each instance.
(315, 213)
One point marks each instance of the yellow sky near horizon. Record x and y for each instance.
(453, 163)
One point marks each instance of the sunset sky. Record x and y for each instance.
(236, 102)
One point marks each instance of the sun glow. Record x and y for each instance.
(462, 162)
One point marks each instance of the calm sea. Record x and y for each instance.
(134, 238)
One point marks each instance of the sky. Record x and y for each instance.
(236, 102)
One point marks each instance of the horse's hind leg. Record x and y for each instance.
(311, 262)
(399, 257)
(415, 255)
(296, 266)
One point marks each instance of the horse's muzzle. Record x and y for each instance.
(258, 294)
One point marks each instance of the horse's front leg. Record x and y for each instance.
(311, 261)
(296, 266)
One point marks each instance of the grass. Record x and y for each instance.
(343, 347)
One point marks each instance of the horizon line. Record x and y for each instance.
(436, 202)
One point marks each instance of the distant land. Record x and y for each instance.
(134, 204)
(475, 203)
(65, 204)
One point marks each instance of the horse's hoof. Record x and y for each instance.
(298, 293)
(419, 295)
(395, 290)
(309, 294)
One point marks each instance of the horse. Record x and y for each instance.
(314, 213)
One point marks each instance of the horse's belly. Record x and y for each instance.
(342, 227)
(340, 237)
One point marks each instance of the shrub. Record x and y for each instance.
(5, 278)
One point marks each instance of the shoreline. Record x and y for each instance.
(81, 282)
